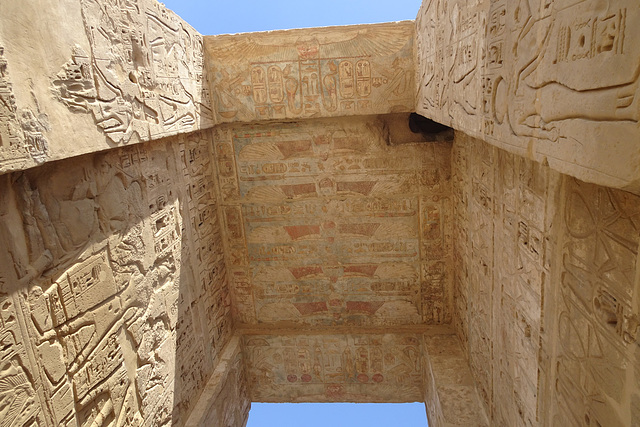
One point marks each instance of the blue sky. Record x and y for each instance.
(337, 415)
(211, 17)
(238, 16)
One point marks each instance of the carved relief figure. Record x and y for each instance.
(143, 78)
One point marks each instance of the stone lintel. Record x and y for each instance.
(310, 73)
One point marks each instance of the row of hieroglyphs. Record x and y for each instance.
(326, 224)
(554, 80)
(546, 290)
(502, 262)
(113, 297)
(333, 71)
(334, 368)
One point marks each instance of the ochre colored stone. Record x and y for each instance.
(189, 223)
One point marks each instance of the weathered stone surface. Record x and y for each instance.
(451, 397)
(554, 81)
(324, 72)
(327, 253)
(224, 401)
(504, 208)
(114, 303)
(334, 367)
(88, 75)
(328, 225)
(544, 289)
(596, 313)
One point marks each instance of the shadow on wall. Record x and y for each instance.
(113, 301)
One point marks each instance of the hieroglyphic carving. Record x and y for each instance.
(327, 224)
(113, 286)
(561, 346)
(481, 265)
(546, 80)
(143, 78)
(460, 195)
(330, 72)
(504, 205)
(22, 138)
(122, 306)
(449, 60)
(207, 302)
(18, 400)
(597, 319)
(524, 214)
(334, 368)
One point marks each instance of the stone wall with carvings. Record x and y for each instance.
(230, 406)
(594, 367)
(451, 396)
(114, 303)
(225, 398)
(334, 367)
(552, 80)
(503, 216)
(545, 290)
(302, 73)
(327, 224)
(88, 75)
(123, 274)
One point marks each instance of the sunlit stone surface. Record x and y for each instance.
(189, 223)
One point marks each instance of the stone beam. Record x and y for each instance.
(89, 75)
(319, 72)
(553, 81)
(369, 364)
(334, 367)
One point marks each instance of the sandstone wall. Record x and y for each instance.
(114, 303)
(450, 393)
(552, 80)
(108, 73)
(225, 399)
(546, 290)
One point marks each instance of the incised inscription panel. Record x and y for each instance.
(113, 294)
(320, 72)
(555, 81)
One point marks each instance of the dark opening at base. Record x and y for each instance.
(430, 130)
